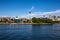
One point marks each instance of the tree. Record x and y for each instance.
(41, 20)
(34, 20)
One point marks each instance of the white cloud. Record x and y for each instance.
(40, 14)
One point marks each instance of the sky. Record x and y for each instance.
(21, 8)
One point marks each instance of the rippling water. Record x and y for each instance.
(29, 32)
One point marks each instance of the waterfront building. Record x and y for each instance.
(52, 17)
(0, 18)
(3, 20)
(17, 20)
(23, 19)
(58, 18)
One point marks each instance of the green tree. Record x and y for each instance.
(34, 20)
(41, 20)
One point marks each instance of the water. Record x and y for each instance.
(29, 32)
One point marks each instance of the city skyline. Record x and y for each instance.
(22, 7)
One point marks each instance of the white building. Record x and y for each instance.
(52, 17)
(58, 18)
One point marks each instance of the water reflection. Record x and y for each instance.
(30, 32)
(15, 32)
(41, 31)
(45, 32)
(45, 28)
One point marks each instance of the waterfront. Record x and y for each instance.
(29, 31)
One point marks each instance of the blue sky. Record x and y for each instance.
(22, 7)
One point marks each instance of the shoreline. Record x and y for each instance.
(29, 23)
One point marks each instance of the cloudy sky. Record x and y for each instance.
(21, 8)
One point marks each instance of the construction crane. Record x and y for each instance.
(30, 11)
